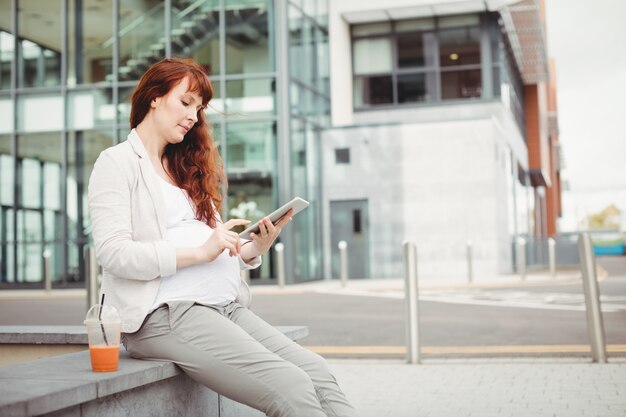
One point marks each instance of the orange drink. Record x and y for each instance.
(103, 332)
(104, 358)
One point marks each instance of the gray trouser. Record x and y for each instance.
(236, 354)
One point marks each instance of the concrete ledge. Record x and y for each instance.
(43, 335)
(64, 385)
(78, 334)
(19, 344)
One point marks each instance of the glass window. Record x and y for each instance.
(216, 105)
(371, 29)
(35, 152)
(123, 108)
(7, 248)
(420, 60)
(309, 7)
(208, 55)
(497, 87)
(461, 84)
(39, 218)
(83, 148)
(415, 25)
(313, 107)
(323, 66)
(296, 100)
(459, 21)
(250, 160)
(342, 155)
(142, 37)
(416, 50)
(29, 247)
(31, 177)
(305, 178)
(7, 44)
(216, 132)
(306, 69)
(417, 87)
(7, 182)
(296, 41)
(6, 115)
(247, 37)
(250, 148)
(195, 32)
(40, 43)
(372, 56)
(249, 97)
(495, 39)
(322, 13)
(90, 41)
(40, 113)
(373, 90)
(90, 108)
(6, 171)
(459, 46)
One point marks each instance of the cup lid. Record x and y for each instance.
(102, 313)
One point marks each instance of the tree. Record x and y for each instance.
(609, 218)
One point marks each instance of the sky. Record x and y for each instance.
(588, 41)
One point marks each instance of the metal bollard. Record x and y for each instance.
(552, 256)
(411, 302)
(468, 253)
(47, 273)
(521, 257)
(595, 324)
(280, 262)
(343, 256)
(92, 276)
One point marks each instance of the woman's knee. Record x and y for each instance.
(294, 395)
(295, 381)
(316, 366)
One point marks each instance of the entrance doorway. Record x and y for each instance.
(349, 222)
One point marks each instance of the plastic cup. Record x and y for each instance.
(103, 332)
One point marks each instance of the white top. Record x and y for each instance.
(215, 283)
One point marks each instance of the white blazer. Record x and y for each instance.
(128, 229)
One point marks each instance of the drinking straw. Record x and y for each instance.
(100, 319)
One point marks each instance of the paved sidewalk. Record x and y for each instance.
(395, 285)
(360, 286)
(485, 388)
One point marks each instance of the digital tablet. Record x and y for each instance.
(297, 204)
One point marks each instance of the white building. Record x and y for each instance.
(435, 106)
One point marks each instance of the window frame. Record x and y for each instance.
(486, 63)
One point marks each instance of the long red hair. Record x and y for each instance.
(194, 163)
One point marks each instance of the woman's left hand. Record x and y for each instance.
(268, 232)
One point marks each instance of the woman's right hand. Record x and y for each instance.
(222, 238)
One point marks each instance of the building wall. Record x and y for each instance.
(536, 99)
(376, 174)
(553, 193)
(439, 184)
(458, 168)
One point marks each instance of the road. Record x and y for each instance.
(544, 320)
(525, 320)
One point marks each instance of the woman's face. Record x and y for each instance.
(176, 112)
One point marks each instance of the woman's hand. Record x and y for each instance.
(262, 241)
(222, 238)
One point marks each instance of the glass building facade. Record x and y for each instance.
(434, 61)
(67, 70)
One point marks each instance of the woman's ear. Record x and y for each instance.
(154, 102)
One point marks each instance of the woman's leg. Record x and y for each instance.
(222, 356)
(331, 397)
